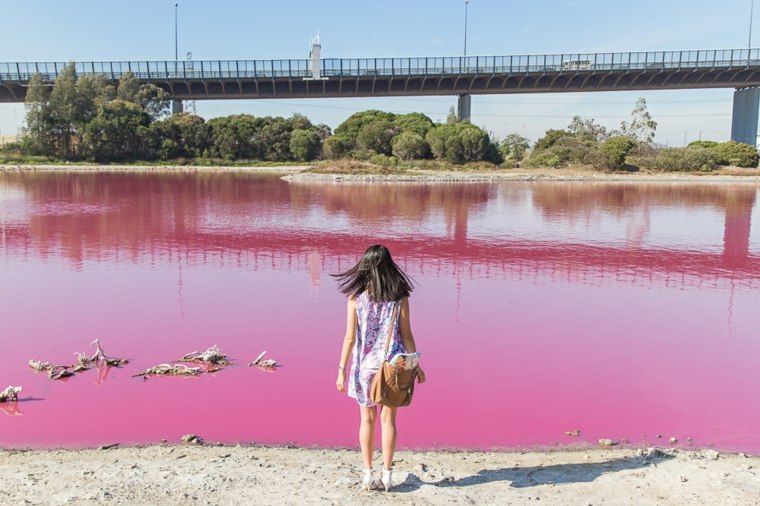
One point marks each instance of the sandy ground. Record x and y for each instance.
(294, 173)
(223, 475)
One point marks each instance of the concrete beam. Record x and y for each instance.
(744, 119)
(177, 106)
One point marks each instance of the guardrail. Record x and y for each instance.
(22, 72)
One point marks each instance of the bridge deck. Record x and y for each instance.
(219, 79)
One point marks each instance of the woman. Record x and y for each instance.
(377, 291)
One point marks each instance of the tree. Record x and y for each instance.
(37, 139)
(377, 136)
(273, 138)
(114, 133)
(514, 146)
(587, 131)
(409, 145)
(458, 142)
(452, 117)
(304, 144)
(334, 147)
(550, 138)
(414, 122)
(642, 127)
(349, 129)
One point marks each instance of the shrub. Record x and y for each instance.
(686, 159)
(334, 147)
(543, 159)
(384, 160)
(304, 144)
(736, 153)
(615, 150)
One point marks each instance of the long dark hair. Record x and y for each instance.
(377, 274)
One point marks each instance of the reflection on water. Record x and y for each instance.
(624, 310)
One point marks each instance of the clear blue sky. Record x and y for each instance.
(84, 30)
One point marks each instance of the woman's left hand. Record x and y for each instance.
(420, 375)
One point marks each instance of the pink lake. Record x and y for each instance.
(623, 310)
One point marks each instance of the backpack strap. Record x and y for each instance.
(390, 331)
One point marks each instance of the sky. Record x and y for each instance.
(103, 30)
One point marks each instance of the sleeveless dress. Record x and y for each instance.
(373, 325)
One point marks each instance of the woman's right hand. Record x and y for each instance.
(340, 383)
(420, 375)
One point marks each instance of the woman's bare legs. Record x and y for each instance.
(367, 434)
(388, 421)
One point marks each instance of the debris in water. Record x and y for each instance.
(263, 364)
(673, 440)
(574, 433)
(211, 356)
(607, 442)
(170, 370)
(83, 363)
(10, 394)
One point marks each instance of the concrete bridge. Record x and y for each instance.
(462, 76)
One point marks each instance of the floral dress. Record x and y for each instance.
(373, 325)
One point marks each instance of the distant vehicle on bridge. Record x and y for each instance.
(577, 65)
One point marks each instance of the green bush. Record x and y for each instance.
(384, 160)
(615, 150)
(736, 153)
(543, 159)
(686, 159)
(334, 148)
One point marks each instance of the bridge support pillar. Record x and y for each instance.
(463, 107)
(744, 119)
(177, 106)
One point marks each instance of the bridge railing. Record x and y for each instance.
(22, 72)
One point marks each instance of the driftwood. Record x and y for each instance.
(83, 363)
(263, 364)
(10, 394)
(170, 370)
(212, 356)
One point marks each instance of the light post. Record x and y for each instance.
(751, 9)
(466, 3)
(176, 104)
(463, 104)
(176, 51)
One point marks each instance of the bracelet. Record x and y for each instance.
(341, 368)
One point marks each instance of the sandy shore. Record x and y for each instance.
(295, 173)
(222, 475)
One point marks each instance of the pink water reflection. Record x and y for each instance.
(622, 310)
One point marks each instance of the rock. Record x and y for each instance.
(655, 453)
(673, 440)
(658, 436)
(191, 438)
(683, 479)
(607, 442)
(573, 433)
(710, 454)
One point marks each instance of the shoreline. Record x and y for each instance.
(191, 474)
(296, 174)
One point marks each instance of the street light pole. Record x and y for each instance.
(176, 51)
(176, 104)
(466, 3)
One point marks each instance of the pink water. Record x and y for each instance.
(621, 310)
